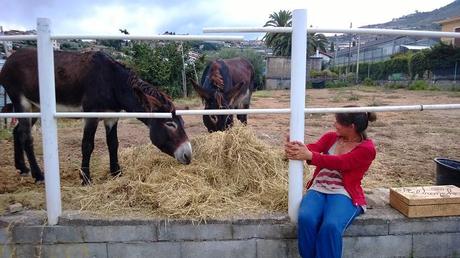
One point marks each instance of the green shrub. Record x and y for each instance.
(395, 85)
(323, 73)
(419, 85)
(337, 84)
(369, 82)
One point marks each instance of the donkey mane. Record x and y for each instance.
(148, 89)
(216, 76)
(135, 81)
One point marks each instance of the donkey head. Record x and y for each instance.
(218, 98)
(167, 134)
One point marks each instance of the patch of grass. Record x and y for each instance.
(189, 101)
(67, 123)
(353, 96)
(336, 84)
(395, 85)
(368, 89)
(369, 82)
(419, 85)
(454, 95)
(393, 97)
(379, 124)
(376, 102)
(6, 134)
(262, 94)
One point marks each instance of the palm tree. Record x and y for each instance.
(316, 42)
(281, 43)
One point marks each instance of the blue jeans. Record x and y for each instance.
(322, 220)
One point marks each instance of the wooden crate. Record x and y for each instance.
(426, 201)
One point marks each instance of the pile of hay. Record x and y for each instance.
(232, 174)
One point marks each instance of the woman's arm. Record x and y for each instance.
(296, 150)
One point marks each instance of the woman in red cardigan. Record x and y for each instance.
(334, 196)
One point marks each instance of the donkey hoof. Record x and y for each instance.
(40, 182)
(116, 173)
(86, 182)
(24, 173)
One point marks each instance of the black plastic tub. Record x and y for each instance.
(447, 171)
(318, 83)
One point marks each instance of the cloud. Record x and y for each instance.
(145, 17)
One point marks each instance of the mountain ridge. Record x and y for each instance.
(421, 20)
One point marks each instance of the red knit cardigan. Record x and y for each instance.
(352, 165)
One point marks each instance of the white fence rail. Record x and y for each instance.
(297, 109)
(127, 37)
(256, 111)
(422, 33)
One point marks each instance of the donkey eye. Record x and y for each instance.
(171, 124)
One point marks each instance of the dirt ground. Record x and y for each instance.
(407, 142)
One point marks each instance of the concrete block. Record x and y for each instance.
(8, 251)
(437, 245)
(268, 231)
(377, 246)
(142, 250)
(194, 232)
(220, 249)
(119, 233)
(367, 228)
(73, 250)
(23, 218)
(62, 234)
(271, 248)
(47, 234)
(5, 235)
(292, 248)
(426, 225)
(28, 234)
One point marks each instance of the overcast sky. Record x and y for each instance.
(147, 17)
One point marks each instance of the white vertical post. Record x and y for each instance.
(49, 126)
(297, 123)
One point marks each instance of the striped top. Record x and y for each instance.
(329, 181)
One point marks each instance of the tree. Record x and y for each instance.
(161, 65)
(315, 42)
(280, 43)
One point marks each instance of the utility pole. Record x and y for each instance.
(349, 52)
(335, 51)
(184, 80)
(357, 61)
(455, 72)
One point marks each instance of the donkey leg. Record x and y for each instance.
(112, 143)
(19, 139)
(87, 147)
(243, 118)
(29, 150)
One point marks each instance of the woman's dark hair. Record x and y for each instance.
(359, 119)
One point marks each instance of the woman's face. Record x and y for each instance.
(343, 130)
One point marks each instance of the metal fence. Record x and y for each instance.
(297, 106)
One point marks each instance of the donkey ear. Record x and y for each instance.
(202, 92)
(149, 103)
(237, 92)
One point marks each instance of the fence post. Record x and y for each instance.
(297, 122)
(45, 57)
